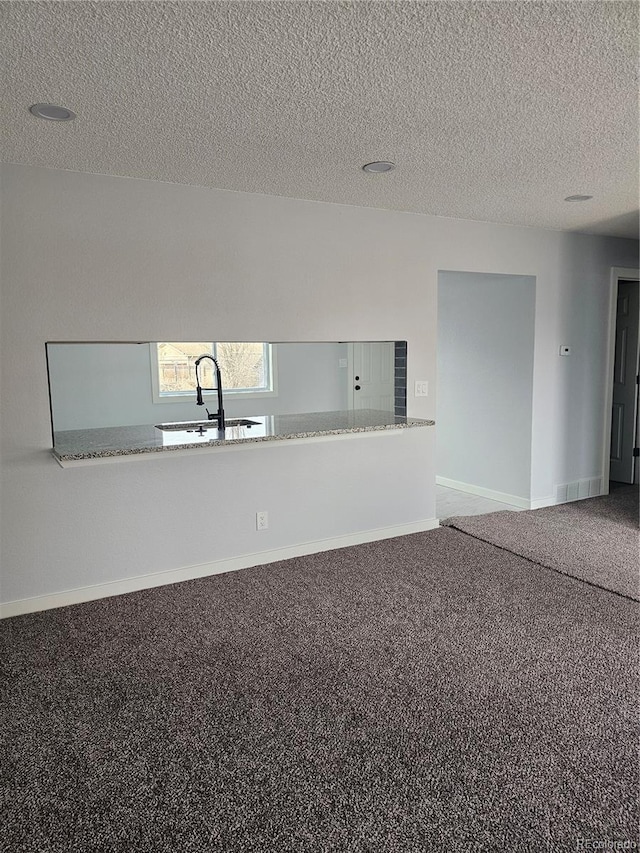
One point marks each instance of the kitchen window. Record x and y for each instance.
(248, 369)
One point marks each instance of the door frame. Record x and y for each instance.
(617, 273)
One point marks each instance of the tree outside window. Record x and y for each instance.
(245, 367)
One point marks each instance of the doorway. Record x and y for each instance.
(621, 425)
(485, 384)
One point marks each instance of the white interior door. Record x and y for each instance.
(625, 387)
(371, 368)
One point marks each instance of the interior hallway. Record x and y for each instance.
(450, 502)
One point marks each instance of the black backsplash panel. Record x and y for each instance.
(401, 378)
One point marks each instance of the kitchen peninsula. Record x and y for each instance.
(101, 444)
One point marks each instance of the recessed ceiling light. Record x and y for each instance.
(51, 112)
(578, 197)
(379, 166)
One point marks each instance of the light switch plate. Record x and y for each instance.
(421, 388)
(565, 350)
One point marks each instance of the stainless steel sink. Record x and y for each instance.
(196, 426)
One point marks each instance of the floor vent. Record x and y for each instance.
(578, 490)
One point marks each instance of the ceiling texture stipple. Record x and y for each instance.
(493, 111)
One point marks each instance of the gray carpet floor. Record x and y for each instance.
(595, 540)
(426, 693)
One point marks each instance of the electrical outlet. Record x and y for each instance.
(262, 520)
(421, 388)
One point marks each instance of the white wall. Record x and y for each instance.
(96, 385)
(87, 257)
(485, 380)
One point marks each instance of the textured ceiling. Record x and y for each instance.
(492, 110)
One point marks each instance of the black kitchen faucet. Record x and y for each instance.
(219, 415)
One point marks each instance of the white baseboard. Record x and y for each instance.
(540, 503)
(580, 489)
(491, 494)
(119, 587)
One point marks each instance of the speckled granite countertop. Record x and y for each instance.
(77, 445)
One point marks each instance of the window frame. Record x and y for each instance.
(162, 397)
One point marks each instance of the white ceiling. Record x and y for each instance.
(491, 110)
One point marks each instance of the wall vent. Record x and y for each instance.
(595, 487)
(578, 490)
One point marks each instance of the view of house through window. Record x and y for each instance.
(245, 367)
